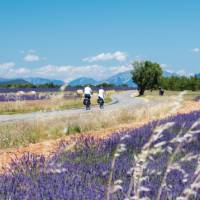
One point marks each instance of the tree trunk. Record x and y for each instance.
(141, 91)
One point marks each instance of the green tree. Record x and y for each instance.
(146, 75)
(180, 83)
(106, 85)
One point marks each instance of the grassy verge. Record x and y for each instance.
(190, 95)
(22, 133)
(56, 103)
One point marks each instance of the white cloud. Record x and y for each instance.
(170, 71)
(164, 66)
(196, 50)
(68, 72)
(22, 71)
(63, 72)
(7, 65)
(31, 57)
(167, 68)
(8, 70)
(120, 69)
(15, 72)
(118, 55)
(182, 72)
(5, 69)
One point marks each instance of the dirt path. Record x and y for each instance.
(49, 147)
(118, 101)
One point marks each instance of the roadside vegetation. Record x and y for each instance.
(149, 76)
(189, 95)
(181, 83)
(57, 101)
(52, 87)
(22, 133)
(146, 75)
(27, 85)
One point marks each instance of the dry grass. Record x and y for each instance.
(22, 133)
(47, 134)
(56, 102)
(44, 135)
(190, 95)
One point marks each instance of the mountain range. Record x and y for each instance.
(13, 81)
(32, 80)
(40, 81)
(198, 75)
(118, 79)
(83, 81)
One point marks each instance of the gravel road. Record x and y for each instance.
(120, 100)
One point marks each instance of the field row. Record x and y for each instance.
(157, 161)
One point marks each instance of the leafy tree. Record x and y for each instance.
(17, 85)
(124, 85)
(146, 75)
(106, 85)
(181, 83)
(48, 85)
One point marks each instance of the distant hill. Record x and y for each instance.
(41, 81)
(197, 75)
(14, 81)
(169, 74)
(3, 80)
(83, 81)
(120, 79)
(32, 80)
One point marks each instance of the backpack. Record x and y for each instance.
(85, 101)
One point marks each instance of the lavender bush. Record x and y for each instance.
(197, 98)
(14, 97)
(158, 161)
(50, 90)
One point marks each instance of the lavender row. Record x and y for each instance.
(14, 90)
(158, 161)
(13, 97)
(197, 98)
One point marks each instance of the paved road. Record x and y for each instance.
(118, 101)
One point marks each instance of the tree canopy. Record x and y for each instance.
(180, 83)
(146, 75)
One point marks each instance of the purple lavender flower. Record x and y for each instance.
(84, 173)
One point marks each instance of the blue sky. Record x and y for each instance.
(66, 39)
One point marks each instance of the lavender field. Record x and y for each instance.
(100, 100)
(158, 161)
(67, 89)
(197, 98)
(25, 97)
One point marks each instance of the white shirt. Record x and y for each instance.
(101, 93)
(88, 90)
